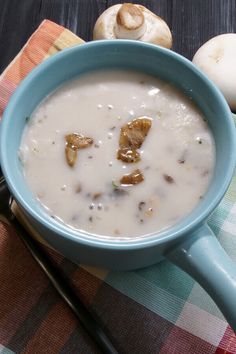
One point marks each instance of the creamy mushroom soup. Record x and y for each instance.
(117, 153)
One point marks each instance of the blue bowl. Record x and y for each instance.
(190, 244)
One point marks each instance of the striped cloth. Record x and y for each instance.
(159, 309)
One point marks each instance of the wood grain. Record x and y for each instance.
(192, 22)
(77, 15)
(20, 18)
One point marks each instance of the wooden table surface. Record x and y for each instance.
(192, 21)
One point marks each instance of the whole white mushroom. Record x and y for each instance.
(217, 59)
(132, 21)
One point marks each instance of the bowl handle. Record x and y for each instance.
(202, 256)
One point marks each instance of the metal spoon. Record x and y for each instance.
(89, 323)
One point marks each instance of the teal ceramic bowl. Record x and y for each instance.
(190, 244)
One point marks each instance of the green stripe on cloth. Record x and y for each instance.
(201, 324)
(131, 327)
(228, 242)
(4, 350)
(38, 312)
(225, 210)
(79, 342)
(168, 277)
(144, 292)
(200, 298)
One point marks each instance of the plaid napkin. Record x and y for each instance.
(159, 309)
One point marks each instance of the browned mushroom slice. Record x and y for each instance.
(132, 136)
(132, 178)
(71, 155)
(128, 155)
(78, 141)
(74, 142)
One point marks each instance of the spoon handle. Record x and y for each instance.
(89, 323)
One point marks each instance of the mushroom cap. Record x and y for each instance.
(217, 59)
(132, 21)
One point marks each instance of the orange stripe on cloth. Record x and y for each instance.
(86, 285)
(59, 324)
(6, 89)
(47, 40)
(21, 283)
(54, 331)
(34, 51)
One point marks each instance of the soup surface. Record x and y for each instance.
(84, 187)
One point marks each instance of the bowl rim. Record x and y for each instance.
(162, 237)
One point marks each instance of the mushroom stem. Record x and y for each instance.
(130, 22)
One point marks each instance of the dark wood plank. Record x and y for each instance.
(194, 22)
(191, 22)
(20, 18)
(17, 22)
(77, 15)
